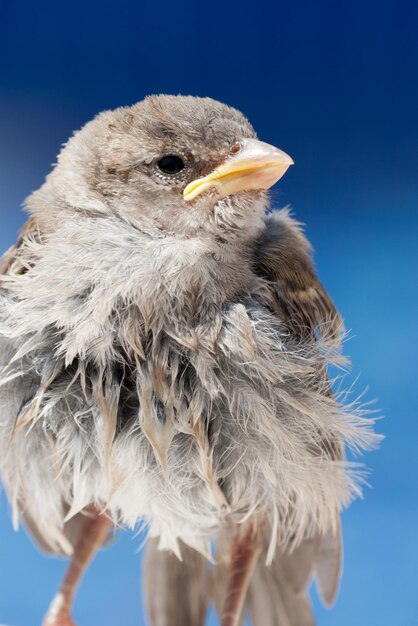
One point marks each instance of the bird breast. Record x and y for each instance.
(187, 413)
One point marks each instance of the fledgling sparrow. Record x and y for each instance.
(163, 344)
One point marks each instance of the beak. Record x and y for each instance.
(256, 165)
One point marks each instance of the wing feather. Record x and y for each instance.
(298, 298)
(283, 257)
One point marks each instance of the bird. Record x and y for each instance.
(164, 352)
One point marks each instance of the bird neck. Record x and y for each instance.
(189, 277)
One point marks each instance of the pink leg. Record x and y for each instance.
(93, 532)
(245, 550)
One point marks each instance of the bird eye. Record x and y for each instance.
(171, 164)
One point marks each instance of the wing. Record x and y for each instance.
(299, 299)
(297, 295)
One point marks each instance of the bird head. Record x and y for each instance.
(170, 165)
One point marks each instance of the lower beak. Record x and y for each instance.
(256, 165)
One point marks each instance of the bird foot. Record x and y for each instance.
(58, 613)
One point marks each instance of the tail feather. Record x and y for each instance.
(296, 567)
(277, 593)
(272, 602)
(328, 566)
(176, 592)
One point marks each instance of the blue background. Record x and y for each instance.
(336, 86)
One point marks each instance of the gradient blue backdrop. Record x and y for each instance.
(336, 86)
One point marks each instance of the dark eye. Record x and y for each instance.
(171, 164)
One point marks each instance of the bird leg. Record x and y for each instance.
(93, 531)
(245, 550)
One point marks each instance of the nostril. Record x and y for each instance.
(235, 148)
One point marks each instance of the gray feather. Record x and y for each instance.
(176, 592)
(328, 565)
(278, 592)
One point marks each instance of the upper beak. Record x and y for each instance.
(256, 165)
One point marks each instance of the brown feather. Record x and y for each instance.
(297, 295)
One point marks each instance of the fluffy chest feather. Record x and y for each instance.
(163, 387)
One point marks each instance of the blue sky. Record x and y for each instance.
(333, 84)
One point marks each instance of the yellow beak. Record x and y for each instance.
(256, 165)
